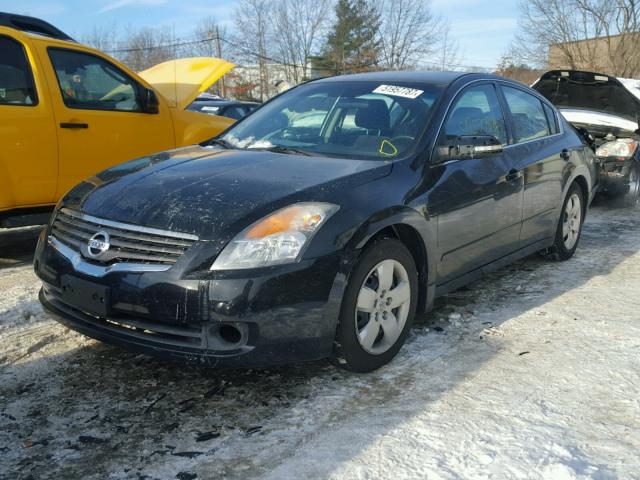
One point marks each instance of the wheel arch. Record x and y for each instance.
(581, 181)
(415, 232)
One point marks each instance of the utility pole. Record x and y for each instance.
(223, 92)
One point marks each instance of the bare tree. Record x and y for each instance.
(147, 47)
(409, 32)
(209, 40)
(299, 25)
(253, 21)
(508, 67)
(103, 38)
(601, 35)
(448, 51)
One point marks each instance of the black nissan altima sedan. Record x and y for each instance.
(320, 225)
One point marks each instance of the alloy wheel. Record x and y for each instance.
(383, 306)
(572, 220)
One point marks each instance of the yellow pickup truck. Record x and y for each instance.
(68, 111)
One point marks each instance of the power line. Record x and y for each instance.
(247, 51)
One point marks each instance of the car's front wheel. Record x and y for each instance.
(378, 307)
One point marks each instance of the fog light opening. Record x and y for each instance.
(230, 334)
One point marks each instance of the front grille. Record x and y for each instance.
(127, 243)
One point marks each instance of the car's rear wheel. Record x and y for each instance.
(378, 307)
(570, 224)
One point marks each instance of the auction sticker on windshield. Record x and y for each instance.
(394, 90)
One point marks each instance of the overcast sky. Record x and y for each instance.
(483, 29)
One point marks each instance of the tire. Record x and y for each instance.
(374, 322)
(631, 197)
(570, 224)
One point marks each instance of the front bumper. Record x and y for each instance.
(614, 175)
(268, 316)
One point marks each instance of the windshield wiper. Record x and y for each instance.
(294, 151)
(221, 142)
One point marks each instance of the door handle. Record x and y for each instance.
(74, 125)
(513, 175)
(565, 155)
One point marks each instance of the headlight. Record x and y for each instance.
(622, 149)
(276, 239)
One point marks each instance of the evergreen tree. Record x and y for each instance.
(352, 45)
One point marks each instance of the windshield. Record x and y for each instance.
(363, 120)
(589, 93)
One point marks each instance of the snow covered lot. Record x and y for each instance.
(533, 372)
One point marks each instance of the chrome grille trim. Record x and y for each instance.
(128, 243)
(127, 226)
(94, 270)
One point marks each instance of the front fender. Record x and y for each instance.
(194, 127)
(408, 224)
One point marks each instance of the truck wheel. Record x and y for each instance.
(570, 224)
(378, 307)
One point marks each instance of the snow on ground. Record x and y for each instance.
(530, 373)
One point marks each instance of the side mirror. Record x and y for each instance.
(466, 147)
(150, 103)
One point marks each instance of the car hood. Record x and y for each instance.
(181, 81)
(207, 191)
(593, 99)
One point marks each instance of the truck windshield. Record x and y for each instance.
(363, 120)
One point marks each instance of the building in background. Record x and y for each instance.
(616, 55)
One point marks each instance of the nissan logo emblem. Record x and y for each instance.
(98, 244)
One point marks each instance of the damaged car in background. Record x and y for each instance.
(608, 108)
(319, 225)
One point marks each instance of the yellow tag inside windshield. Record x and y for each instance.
(388, 149)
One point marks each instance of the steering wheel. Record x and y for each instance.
(402, 137)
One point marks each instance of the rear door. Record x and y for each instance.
(539, 150)
(477, 201)
(28, 143)
(98, 115)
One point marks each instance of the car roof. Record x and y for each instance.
(431, 77)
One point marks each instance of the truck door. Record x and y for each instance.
(99, 115)
(28, 143)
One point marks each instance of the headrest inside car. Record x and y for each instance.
(373, 116)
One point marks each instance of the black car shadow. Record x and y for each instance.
(17, 246)
(109, 410)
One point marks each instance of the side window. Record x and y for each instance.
(16, 82)
(529, 119)
(476, 112)
(551, 118)
(91, 83)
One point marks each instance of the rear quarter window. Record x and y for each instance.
(552, 119)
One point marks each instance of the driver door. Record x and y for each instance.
(98, 115)
(477, 201)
